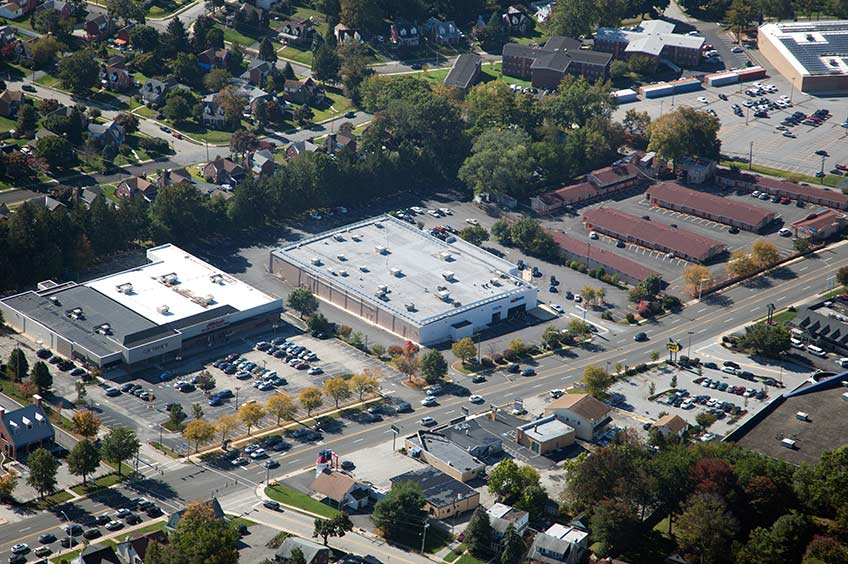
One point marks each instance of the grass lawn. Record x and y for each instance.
(98, 484)
(157, 526)
(436, 76)
(302, 501)
(6, 124)
(144, 111)
(494, 71)
(48, 80)
(202, 133)
(784, 316)
(233, 36)
(169, 7)
(106, 97)
(236, 521)
(436, 540)
(54, 499)
(468, 559)
(293, 53)
(340, 104)
(829, 179)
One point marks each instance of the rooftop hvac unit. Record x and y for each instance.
(76, 313)
(338, 237)
(316, 261)
(380, 249)
(104, 329)
(448, 275)
(788, 443)
(54, 300)
(125, 288)
(203, 300)
(396, 271)
(343, 272)
(383, 289)
(446, 256)
(410, 306)
(216, 278)
(378, 225)
(495, 282)
(444, 295)
(363, 268)
(801, 416)
(169, 279)
(163, 309)
(356, 238)
(332, 271)
(341, 257)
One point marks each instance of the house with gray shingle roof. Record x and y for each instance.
(25, 429)
(313, 553)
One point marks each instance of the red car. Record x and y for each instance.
(842, 167)
(177, 134)
(302, 365)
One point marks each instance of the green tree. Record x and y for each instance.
(302, 301)
(479, 533)
(119, 445)
(79, 71)
(44, 51)
(685, 132)
(464, 349)
(267, 51)
(360, 14)
(42, 471)
(17, 366)
(400, 510)
(574, 18)
(83, 459)
(175, 39)
(822, 486)
(197, 411)
(529, 235)
(353, 68)
(801, 245)
(766, 340)
(597, 381)
(335, 527)
(842, 275)
(296, 557)
(325, 64)
(577, 102)
(126, 10)
(144, 38)
(41, 377)
(216, 79)
(508, 480)
(433, 367)
(512, 546)
(27, 119)
(502, 232)
(500, 163)
(578, 328)
(178, 213)
(56, 151)
(493, 105)
(176, 415)
(740, 15)
(186, 70)
(707, 528)
(615, 524)
(552, 337)
(202, 538)
(242, 142)
(474, 234)
(176, 109)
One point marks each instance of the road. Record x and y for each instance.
(706, 320)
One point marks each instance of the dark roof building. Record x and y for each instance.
(445, 496)
(313, 553)
(593, 256)
(25, 429)
(675, 197)
(652, 235)
(783, 188)
(133, 550)
(464, 72)
(546, 66)
(98, 554)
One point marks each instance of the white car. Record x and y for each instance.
(433, 213)
(417, 210)
(755, 194)
(428, 401)
(556, 307)
(785, 232)
(258, 453)
(736, 49)
(316, 216)
(476, 399)
(315, 370)
(446, 211)
(789, 134)
(703, 99)
(843, 362)
(593, 235)
(20, 548)
(428, 421)
(472, 221)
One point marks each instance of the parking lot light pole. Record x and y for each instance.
(237, 391)
(821, 178)
(689, 346)
(701, 287)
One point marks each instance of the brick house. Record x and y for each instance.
(25, 429)
(222, 171)
(136, 186)
(405, 34)
(304, 91)
(99, 28)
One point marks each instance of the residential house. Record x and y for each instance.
(313, 553)
(14, 9)
(8, 33)
(444, 496)
(133, 550)
(582, 412)
(170, 177)
(260, 163)
(10, 101)
(501, 516)
(136, 186)
(174, 518)
(304, 91)
(110, 133)
(344, 33)
(222, 171)
(213, 59)
(154, 91)
(48, 202)
(341, 490)
(88, 194)
(99, 27)
(259, 71)
(465, 72)
(297, 31)
(404, 34)
(97, 554)
(820, 225)
(516, 21)
(560, 544)
(213, 114)
(253, 95)
(122, 36)
(335, 142)
(443, 33)
(116, 77)
(64, 9)
(25, 429)
(671, 424)
(23, 52)
(297, 147)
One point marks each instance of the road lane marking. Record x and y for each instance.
(359, 440)
(701, 310)
(803, 269)
(805, 288)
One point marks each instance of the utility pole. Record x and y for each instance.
(689, 345)
(821, 178)
(751, 151)
(207, 149)
(424, 535)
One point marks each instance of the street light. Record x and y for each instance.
(237, 391)
(701, 287)
(689, 345)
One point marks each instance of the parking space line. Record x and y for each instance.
(805, 288)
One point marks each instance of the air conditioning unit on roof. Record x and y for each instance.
(163, 309)
(380, 249)
(396, 272)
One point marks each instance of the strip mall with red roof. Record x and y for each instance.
(820, 224)
(630, 272)
(675, 197)
(652, 235)
(776, 187)
(599, 184)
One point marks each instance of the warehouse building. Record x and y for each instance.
(652, 235)
(673, 196)
(405, 281)
(652, 38)
(171, 307)
(813, 56)
(594, 257)
(801, 192)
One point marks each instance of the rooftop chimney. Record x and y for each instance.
(36, 399)
(2, 411)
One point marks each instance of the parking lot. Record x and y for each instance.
(770, 147)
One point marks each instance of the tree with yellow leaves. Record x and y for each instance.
(199, 431)
(250, 414)
(225, 425)
(281, 406)
(764, 253)
(364, 383)
(337, 388)
(697, 277)
(310, 398)
(85, 423)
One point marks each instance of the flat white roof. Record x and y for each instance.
(419, 277)
(176, 285)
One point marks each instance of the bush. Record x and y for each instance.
(154, 145)
(671, 303)
(394, 350)
(641, 367)
(498, 358)
(345, 331)
(607, 316)
(630, 318)
(510, 355)
(486, 362)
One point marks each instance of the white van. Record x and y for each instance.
(812, 349)
(796, 343)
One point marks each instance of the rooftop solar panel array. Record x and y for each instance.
(813, 55)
